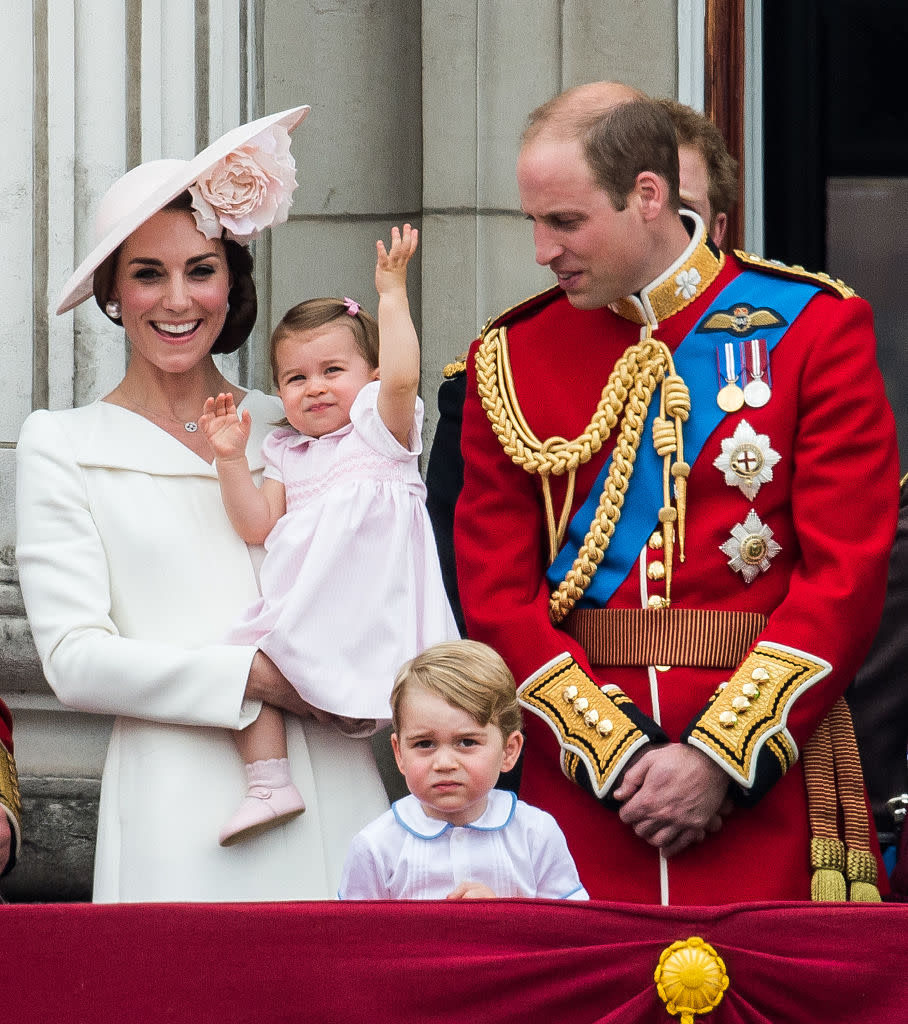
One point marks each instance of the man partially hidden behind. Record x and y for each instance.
(708, 173)
(679, 496)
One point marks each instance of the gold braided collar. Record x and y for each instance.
(679, 286)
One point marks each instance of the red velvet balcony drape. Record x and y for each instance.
(503, 961)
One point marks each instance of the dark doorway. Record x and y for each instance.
(836, 157)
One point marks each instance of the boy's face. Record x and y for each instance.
(449, 760)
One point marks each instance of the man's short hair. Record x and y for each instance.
(619, 141)
(696, 130)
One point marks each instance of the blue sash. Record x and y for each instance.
(695, 361)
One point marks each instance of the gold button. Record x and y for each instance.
(760, 675)
(604, 727)
(662, 668)
(655, 601)
(570, 692)
(728, 719)
(740, 704)
(750, 690)
(591, 717)
(656, 571)
(655, 542)
(581, 704)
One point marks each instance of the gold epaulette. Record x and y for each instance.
(532, 303)
(827, 283)
(456, 368)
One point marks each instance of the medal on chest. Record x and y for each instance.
(755, 356)
(747, 460)
(750, 549)
(731, 395)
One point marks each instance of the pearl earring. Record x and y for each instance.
(112, 309)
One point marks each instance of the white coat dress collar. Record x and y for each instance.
(115, 438)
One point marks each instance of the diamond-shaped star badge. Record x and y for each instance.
(747, 460)
(750, 547)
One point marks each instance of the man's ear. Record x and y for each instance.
(651, 191)
(718, 229)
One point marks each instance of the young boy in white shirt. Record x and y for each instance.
(456, 728)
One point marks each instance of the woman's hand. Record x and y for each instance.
(267, 683)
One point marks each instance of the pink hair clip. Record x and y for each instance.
(352, 306)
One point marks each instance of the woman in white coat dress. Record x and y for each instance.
(131, 571)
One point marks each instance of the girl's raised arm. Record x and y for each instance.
(253, 511)
(398, 357)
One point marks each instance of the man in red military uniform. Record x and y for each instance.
(679, 496)
(10, 803)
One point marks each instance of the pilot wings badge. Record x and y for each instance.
(741, 320)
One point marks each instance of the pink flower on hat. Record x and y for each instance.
(249, 190)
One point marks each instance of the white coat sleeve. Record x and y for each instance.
(64, 575)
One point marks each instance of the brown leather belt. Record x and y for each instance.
(664, 636)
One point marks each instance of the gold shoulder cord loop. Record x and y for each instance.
(627, 394)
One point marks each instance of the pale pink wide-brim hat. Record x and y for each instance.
(148, 188)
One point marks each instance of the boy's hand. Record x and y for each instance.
(471, 891)
(226, 431)
(391, 267)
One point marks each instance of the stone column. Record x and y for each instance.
(486, 65)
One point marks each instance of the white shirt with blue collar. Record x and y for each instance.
(513, 848)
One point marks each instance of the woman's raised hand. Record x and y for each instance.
(226, 430)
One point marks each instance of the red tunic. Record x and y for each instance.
(831, 504)
(10, 800)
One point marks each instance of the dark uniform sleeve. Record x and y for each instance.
(879, 694)
(444, 481)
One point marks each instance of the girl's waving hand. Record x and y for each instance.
(398, 357)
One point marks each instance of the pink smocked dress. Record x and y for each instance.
(351, 586)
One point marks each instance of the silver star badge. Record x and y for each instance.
(750, 547)
(747, 460)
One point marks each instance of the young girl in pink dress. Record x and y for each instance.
(351, 586)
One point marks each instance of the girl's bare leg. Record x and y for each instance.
(266, 738)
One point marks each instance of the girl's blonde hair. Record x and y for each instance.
(315, 313)
(466, 674)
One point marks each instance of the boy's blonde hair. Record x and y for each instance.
(466, 674)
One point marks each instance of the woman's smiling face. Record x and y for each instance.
(172, 284)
